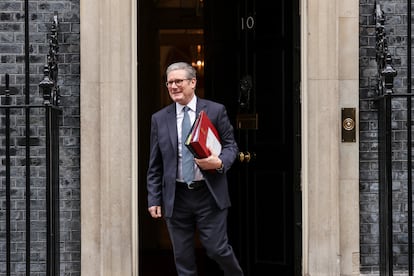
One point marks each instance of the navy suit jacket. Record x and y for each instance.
(163, 161)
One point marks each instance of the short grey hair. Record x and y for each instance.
(190, 70)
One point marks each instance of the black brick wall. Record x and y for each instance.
(396, 31)
(369, 217)
(12, 57)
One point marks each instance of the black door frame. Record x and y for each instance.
(147, 105)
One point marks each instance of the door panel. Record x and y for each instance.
(260, 94)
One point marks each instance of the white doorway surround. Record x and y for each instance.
(109, 156)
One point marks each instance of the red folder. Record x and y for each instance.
(203, 136)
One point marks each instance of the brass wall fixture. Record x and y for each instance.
(348, 125)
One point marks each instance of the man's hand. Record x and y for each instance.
(155, 211)
(212, 162)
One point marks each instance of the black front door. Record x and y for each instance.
(251, 64)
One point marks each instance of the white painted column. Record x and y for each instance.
(348, 63)
(329, 167)
(108, 138)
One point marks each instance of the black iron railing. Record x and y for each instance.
(30, 154)
(394, 114)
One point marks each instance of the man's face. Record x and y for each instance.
(180, 87)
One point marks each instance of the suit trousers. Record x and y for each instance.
(197, 209)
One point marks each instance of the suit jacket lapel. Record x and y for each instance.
(172, 127)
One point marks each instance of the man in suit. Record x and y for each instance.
(203, 201)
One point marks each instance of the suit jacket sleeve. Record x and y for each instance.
(154, 173)
(229, 146)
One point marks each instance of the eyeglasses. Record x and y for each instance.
(178, 82)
